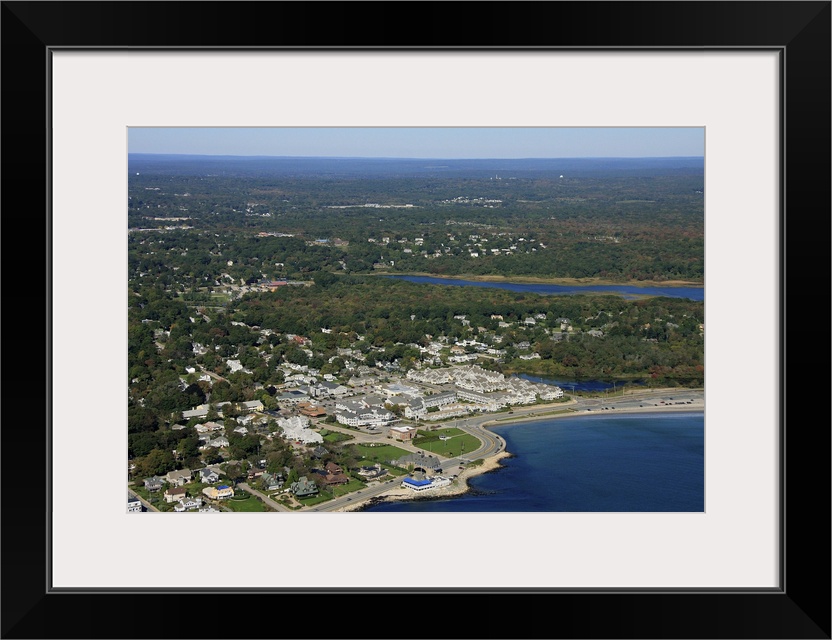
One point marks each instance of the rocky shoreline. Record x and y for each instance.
(457, 487)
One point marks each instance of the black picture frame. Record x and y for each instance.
(799, 31)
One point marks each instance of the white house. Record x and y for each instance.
(208, 476)
(209, 427)
(197, 412)
(134, 505)
(297, 428)
(364, 416)
(188, 504)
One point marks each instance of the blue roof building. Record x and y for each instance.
(413, 483)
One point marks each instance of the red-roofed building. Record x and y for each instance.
(311, 410)
(325, 478)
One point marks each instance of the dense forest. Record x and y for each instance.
(615, 221)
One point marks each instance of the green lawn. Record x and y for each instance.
(343, 489)
(393, 471)
(139, 489)
(456, 444)
(222, 298)
(447, 431)
(249, 503)
(313, 500)
(336, 491)
(335, 436)
(156, 498)
(370, 455)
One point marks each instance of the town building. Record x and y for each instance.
(134, 505)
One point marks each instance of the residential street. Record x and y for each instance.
(145, 503)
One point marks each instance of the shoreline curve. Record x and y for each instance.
(460, 486)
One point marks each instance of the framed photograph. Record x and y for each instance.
(79, 77)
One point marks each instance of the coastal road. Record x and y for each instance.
(662, 399)
(492, 444)
(646, 400)
(368, 492)
(364, 437)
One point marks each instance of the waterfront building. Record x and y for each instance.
(423, 484)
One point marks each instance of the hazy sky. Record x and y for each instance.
(422, 142)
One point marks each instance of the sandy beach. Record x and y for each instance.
(543, 412)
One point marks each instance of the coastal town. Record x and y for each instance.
(332, 420)
(294, 344)
(371, 405)
(373, 408)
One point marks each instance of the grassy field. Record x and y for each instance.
(457, 443)
(371, 455)
(447, 431)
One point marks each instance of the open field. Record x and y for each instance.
(381, 454)
(455, 445)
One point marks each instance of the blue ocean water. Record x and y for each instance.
(615, 463)
(692, 293)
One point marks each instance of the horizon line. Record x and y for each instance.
(232, 155)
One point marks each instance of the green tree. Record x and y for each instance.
(188, 447)
(211, 456)
(155, 463)
(194, 395)
(235, 472)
